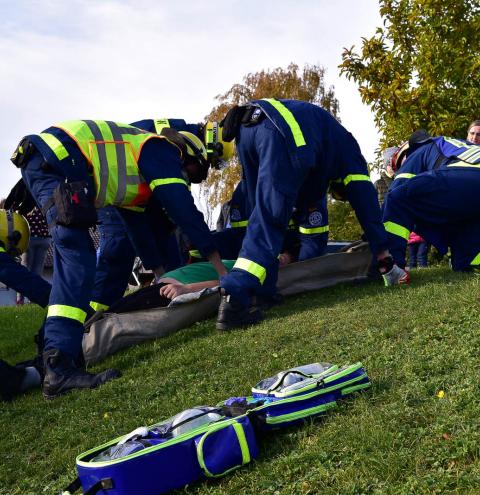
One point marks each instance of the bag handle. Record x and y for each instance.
(242, 441)
(294, 372)
(181, 423)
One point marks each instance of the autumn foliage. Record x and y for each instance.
(421, 69)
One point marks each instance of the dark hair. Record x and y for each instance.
(473, 124)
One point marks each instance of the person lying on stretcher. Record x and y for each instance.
(188, 278)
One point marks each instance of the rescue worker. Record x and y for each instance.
(71, 169)
(155, 243)
(435, 193)
(291, 150)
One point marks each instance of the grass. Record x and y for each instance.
(403, 436)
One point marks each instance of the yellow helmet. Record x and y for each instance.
(14, 232)
(219, 151)
(195, 147)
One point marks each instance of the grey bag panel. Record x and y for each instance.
(119, 331)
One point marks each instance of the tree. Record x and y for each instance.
(422, 69)
(304, 84)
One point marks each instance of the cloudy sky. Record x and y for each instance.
(127, 60)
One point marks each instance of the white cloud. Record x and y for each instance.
(127, 60)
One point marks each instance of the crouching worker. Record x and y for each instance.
(290, 151)
(435, 192)
(75, 167)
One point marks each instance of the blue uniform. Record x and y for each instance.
(306, 237)
(291, 150)
(74, 253)
(19, 278)
(152, 242)
(435, 193)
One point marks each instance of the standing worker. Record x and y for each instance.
(289, 150)
(71, 169)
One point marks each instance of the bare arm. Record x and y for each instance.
(173, 288)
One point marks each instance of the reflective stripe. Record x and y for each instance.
(55, 145)
(404, 176)
(476, 260)
(96, 306)
(103, 161)
(289, 119)
(165, 182)
(67, 312)
(396, 229)
(160, 124)
(471, 154)
(355, 178)
(194, 253)
(456, 142)
(2, 250)
(251, 267)
(236, 225)
(314, 230)
(464, 164)
(242, 440)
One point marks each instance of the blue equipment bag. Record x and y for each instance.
(195, 444)
(296, 394)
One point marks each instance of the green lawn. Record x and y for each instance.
(400, 437)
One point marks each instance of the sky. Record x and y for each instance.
(127, 60)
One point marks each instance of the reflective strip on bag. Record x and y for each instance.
(251, 267)
(289, 119)
(55, 145)
(396, 229)
(64, 311)
(2, 250)
(356, 178)
(242, 440)
(314, 230)
(166, 182)
(96, 306)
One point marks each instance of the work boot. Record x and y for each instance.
(264, 303)
(233, 314)
(61, 375)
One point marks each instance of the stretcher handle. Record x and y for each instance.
(75, 485)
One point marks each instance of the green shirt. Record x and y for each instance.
(197, 272)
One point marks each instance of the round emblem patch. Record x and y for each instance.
(315, 218)
(235, 215)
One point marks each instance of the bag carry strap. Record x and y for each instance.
(104, 484)
(243, 444)
(291, 372)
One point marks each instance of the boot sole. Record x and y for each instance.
(220, 325)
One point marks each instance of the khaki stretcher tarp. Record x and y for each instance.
(118, 331)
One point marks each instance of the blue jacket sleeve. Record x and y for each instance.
(19, 278)
(161, 167)
(362, 196)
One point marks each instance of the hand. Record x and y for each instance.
(174, 289)
(285, 259)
